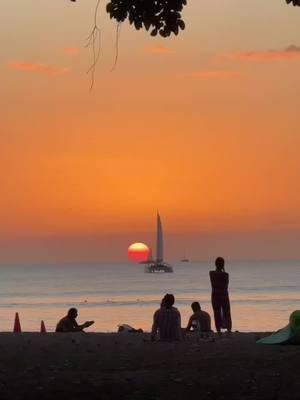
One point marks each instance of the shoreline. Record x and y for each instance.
(128, 366)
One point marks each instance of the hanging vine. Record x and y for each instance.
(94, 41)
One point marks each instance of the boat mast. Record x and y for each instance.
(159, 241)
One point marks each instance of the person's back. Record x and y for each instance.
(200, 319)
(167, 321)
(168, 324)
(219, 282)
(204, 320)
(66, 324)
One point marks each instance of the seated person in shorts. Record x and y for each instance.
(69, 323)
(200, 320)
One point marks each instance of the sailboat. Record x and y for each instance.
(184, 259)
(159, 265)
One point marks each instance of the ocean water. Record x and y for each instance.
(262, 293)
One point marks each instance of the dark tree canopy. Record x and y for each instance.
(159, 16)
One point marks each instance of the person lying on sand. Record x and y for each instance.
(125, 328)
(199, 320)
(167, 321)
(69, 323)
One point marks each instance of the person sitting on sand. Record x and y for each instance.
(162, 307)
(69, 323)
(167, 321)
(199, 320)
(220, 297)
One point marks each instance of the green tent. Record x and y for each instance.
(290, 334)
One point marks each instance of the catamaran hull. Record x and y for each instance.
(162, 268)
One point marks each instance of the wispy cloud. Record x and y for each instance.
(37, 67)
(71, 51)
(289, 53)
(213, 74)
(157, 50)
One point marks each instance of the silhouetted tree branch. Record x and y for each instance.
(294, 2)
(159, 16)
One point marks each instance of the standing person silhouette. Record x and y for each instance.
(219, 297)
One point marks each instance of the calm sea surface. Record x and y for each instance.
(262, 294)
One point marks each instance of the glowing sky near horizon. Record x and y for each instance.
(203, 127)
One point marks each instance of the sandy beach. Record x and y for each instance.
(128, 366)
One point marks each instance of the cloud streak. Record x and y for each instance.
(26, 66)
(289, 53)
(217, 74)
(157, 50)
(71, 51)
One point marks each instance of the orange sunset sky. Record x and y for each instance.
(203, 127)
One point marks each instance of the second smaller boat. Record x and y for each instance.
(184, 259)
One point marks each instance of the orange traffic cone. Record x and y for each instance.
(43, 328)
(17, 325)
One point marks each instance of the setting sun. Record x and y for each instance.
(138, 252)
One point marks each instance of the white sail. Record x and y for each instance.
(159, 241)
(158, 265)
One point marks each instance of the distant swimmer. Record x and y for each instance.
(220, 297)
(69, 323)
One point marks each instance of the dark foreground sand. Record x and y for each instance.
(128, 366)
